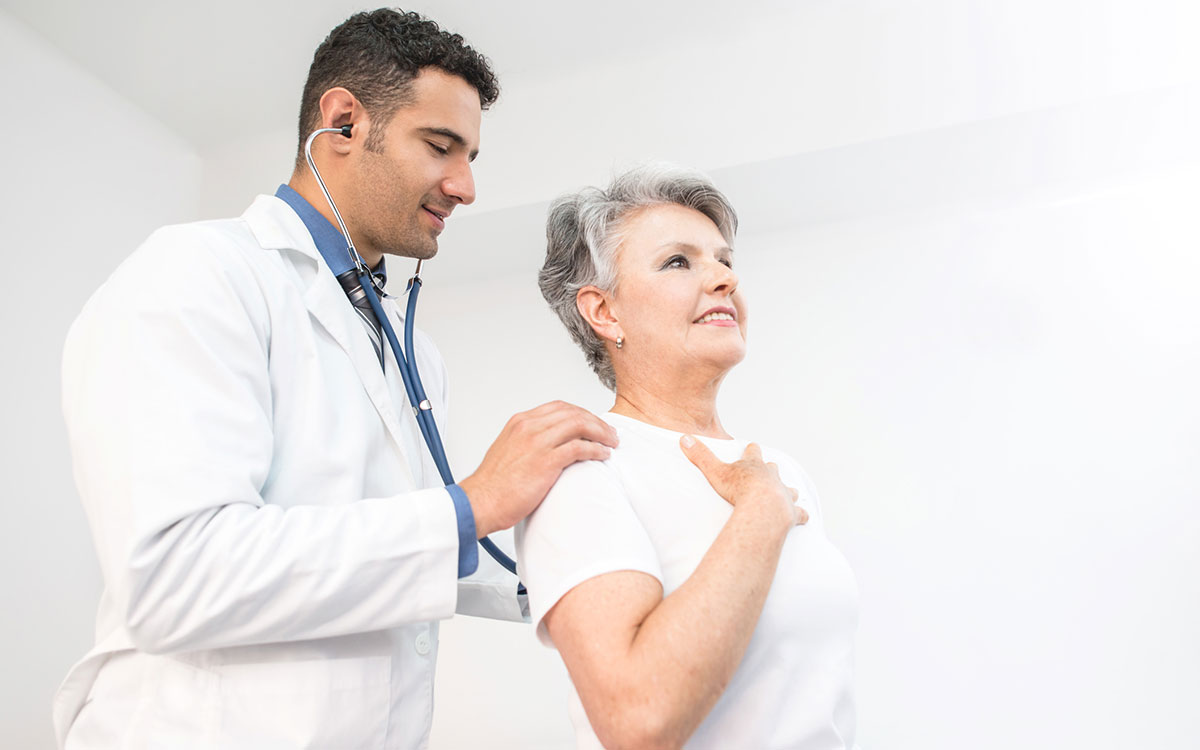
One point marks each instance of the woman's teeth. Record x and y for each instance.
(715, 316)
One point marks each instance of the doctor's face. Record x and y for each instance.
(419, 171)
(677, 299)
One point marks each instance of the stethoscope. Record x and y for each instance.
(408, 366)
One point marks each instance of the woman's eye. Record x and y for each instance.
(728, 263)
(677, 261)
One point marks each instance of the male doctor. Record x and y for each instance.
(275, 541)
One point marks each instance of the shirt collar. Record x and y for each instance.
(328, 239)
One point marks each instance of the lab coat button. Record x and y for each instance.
(422, 644)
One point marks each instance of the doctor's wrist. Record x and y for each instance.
(482, 507)
(468, 553)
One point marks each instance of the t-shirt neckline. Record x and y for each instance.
(653, 428)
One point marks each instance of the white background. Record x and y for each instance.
(971, 250)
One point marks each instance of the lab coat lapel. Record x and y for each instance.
(278, 227)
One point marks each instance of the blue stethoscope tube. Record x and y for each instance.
(413, 387)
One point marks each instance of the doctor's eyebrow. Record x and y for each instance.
(448, 133)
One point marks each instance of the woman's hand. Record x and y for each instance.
(747, 483)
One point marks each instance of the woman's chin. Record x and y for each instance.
(735, 352)
(724, 361)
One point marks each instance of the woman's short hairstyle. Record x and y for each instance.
(584, 230)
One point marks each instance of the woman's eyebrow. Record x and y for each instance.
(724, 249)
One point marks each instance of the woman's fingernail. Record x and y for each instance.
(688, 441)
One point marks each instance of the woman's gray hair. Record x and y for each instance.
(584, 230)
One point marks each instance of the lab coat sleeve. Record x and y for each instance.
(491, 591)
(169, 416)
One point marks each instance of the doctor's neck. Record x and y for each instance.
(304, 183)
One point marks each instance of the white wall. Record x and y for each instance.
(967, 243)
(997, 400)
(88, 176)
(801, 77)
(817, 75)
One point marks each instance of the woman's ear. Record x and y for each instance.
(595, 305)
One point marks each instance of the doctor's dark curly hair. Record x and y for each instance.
(376, 55)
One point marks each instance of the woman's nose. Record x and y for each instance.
(724, 280)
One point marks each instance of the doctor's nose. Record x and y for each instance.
(459, 184)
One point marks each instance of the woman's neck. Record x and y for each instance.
(691, 409)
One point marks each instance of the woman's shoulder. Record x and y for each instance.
(585, 473)
(583, 487)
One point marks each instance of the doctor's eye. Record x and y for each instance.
(440, 149)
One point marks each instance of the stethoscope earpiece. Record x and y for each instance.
(346, 130)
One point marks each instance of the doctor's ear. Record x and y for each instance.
(340, 108)
(595, 307)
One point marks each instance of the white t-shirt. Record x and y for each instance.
(647, 508)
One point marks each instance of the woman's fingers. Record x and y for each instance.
(700, 455)
(752, 453)
(748, 474)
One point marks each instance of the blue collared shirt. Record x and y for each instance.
(332, 247)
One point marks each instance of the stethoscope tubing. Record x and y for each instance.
(413, 386)
(415, 390)
(409, 374)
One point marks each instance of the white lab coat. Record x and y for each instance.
(273, 570)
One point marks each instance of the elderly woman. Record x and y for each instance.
(686, 581)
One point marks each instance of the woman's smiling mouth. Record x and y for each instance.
(719, 316)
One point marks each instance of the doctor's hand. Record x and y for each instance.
(748, 484)
(525, 460)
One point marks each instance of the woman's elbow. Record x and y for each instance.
(638, 727)
(639, 742)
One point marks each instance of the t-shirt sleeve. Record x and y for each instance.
(584, 528)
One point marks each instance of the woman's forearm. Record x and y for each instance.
(649, 668)
(687, 649)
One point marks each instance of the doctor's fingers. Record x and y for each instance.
(579, 450)
(556, 427)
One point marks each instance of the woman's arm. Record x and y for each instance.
(649, 669)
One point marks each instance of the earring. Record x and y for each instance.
(620, 341)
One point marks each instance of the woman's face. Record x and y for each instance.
(677, 302)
